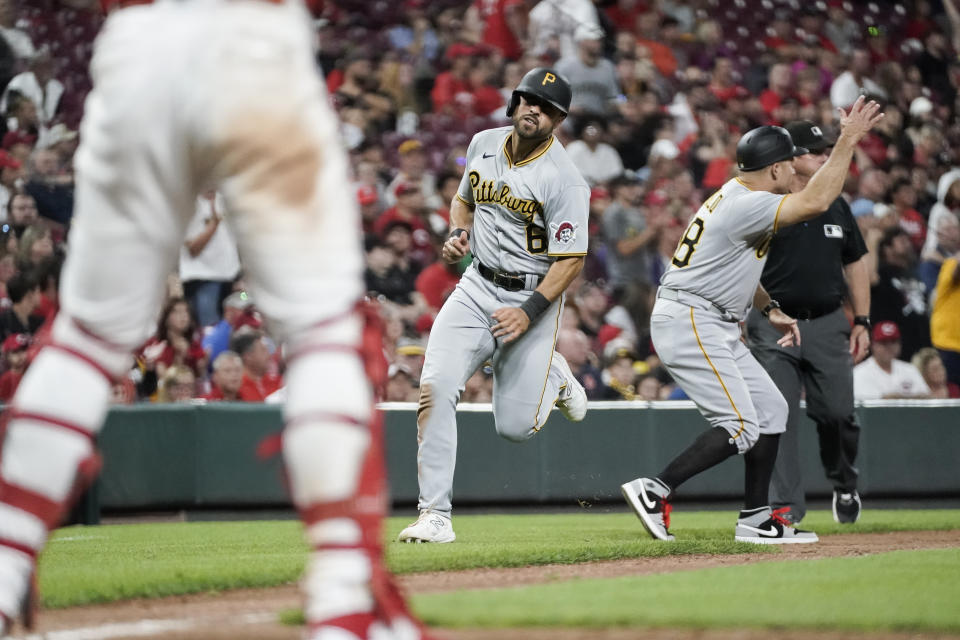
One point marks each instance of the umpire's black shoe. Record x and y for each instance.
(846, 506)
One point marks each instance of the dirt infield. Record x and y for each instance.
(251, 614)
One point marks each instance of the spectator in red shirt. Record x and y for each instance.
(15, 358)
(504, 24)
(48, 275)
(258, 382)
(485, 98)
(227, 378)
(723, 84)
(176, 341)
(410, 211)
(624, 13)
(438, 281)
(779, 85)
(19, 144)
(453, 84)
(655, 34)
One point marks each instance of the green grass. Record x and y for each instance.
(85, 565)
(903, 590)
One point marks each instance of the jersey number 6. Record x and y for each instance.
(536, 239)
(688, 244)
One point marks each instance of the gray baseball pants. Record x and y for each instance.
(526, 384)
(822, 366)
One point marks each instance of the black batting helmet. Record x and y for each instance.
(545, 84)
(763, 146)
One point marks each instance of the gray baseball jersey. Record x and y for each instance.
(528, 213)
(724, 248)
(720, 259)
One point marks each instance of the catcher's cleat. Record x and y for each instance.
(648, 499)
(763, 526)
(429, 527)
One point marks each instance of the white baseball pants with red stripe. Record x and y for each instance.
(188, 96)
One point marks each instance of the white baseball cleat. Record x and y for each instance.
(429, 527)
(763, 526)
(572, 400)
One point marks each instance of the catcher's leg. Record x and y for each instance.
(133, 183)
(297, 228)
(112, 286)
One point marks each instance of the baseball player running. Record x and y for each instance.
(190, 95)
(704, 295)
(522, 210)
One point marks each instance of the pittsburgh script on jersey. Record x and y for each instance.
(485, 191)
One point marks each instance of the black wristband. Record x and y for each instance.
(773, 304)
(535, 305)
(456, 233)
(863, 321)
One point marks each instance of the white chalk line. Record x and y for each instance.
(143, 628)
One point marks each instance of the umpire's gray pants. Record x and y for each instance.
(821, 365)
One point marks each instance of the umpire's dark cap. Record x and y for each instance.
(764, 146)
(810, 135)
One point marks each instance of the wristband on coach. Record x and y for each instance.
(863, 321)
(535, 305)
(456, 233)
(773, 304)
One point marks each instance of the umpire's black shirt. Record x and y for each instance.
(804, 271)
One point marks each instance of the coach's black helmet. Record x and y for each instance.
(763, 146)
(545, 84)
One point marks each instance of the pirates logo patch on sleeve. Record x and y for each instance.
(565, 232)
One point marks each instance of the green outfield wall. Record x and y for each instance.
(204, 456)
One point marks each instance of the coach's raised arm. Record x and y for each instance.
(827, 183)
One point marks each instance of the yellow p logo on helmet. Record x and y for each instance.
(548, 77)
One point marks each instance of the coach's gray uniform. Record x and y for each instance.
(702, 297)
(526, 215)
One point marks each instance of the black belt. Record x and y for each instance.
(504, 280)
(809, 313)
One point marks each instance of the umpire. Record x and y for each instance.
(812, 267)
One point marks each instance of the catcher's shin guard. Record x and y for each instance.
(48, 450)
(334, 461)
(347, 585)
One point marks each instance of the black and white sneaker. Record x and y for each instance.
(648, 499)
(763, 526)
(846, 506)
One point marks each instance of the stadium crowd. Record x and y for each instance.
(662, 91)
